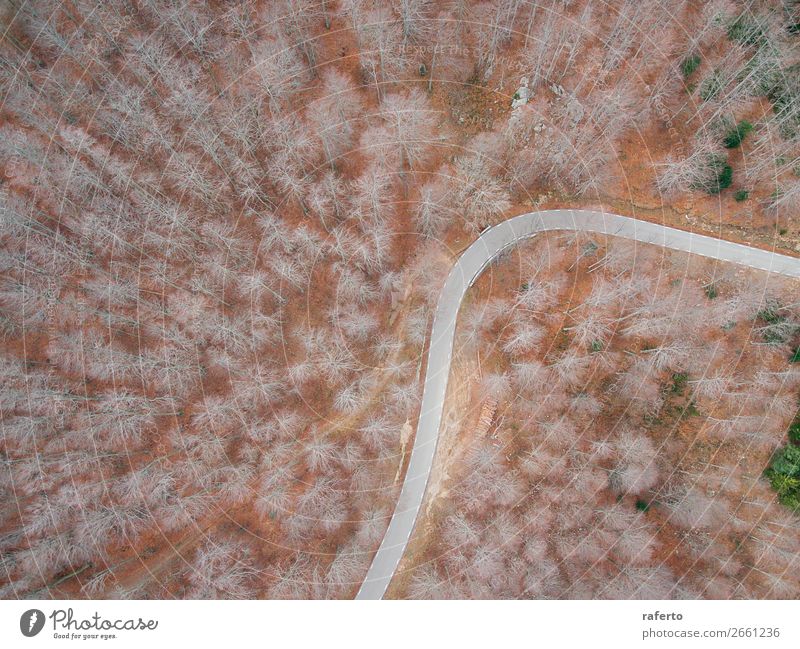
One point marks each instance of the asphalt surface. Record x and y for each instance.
(464, 272)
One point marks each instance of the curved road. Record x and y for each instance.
(464, 272)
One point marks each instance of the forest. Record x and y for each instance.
(223, 229)
(631, 417)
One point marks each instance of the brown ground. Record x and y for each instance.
(680, 430)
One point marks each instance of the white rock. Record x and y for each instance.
(520, 97)
(575, 110)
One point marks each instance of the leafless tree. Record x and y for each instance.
(222, 570)
(278, 70)
(697, 170)
(410, 119)
(380, 40)
(483, 198)
(335, 114)
(433, 215)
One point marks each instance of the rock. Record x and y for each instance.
(575, 110)
(520, 97)
(557, 90)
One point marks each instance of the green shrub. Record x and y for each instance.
(784, 96)
(642, 505)
(689, 65)
(725, 177)
(794, 432)
(679, 380)
(711, 291)
(735, 137)
(711, 86)
(763, 71)
(769, 313)
(784, 475)
(741, 195)
(745, 31)
(778, 329)
(787, 461)
(718, 175)
(795, 358)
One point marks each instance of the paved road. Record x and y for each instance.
(464, 272)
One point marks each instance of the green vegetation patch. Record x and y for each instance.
(741, 195)
(718, 175)
(784, 475)
(777, 329)
(784, 93)
(725, 178)
(770, 314)
(679, 380)
(794, 431)
(746, 31)
(681, 404)
(735, 136)
(689, 65)
(711, 86)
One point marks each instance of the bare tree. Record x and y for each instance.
(335, 114)
(413, 18)
(482, 197)
(433, 215)
(278, 70)
(222, 570)
(380, 40)
(696, 171)
(410, 119)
